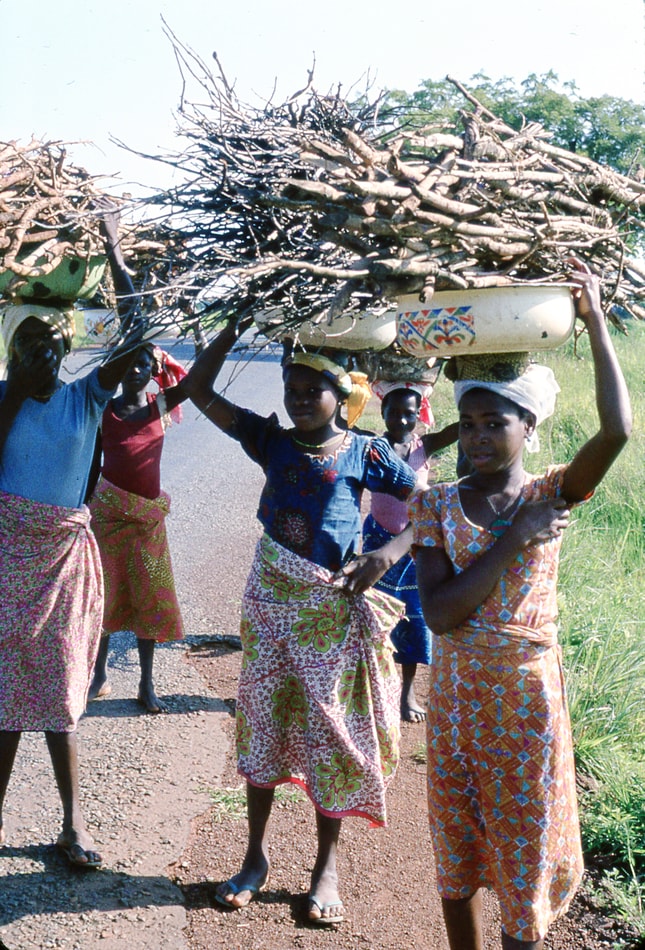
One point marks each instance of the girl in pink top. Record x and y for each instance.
(402, 406)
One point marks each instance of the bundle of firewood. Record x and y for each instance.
(44, 205)
(316, 207)
(50, 211)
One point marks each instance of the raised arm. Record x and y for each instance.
(175, 395)
(436, 441)
(198, 384)
(117, 364)
(612, 398)
(125, 291)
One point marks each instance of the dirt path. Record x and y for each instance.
(387, 876)
(143, 779)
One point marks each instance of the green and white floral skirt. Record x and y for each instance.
(318, 699)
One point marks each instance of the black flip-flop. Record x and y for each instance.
(235, 889)
(71, 852)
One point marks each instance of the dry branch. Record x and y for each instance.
(50, 211)
(310, 206)
(45, 207)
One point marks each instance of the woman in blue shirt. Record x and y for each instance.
(50, 573)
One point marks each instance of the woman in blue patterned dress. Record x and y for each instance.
(318, 700)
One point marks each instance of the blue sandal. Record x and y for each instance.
(237, 889)
(325, 920)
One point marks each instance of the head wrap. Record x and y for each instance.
(534, 390)
(383, 388)
(353, 386)
(16, 314)
(167, 372)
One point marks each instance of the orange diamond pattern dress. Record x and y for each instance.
(501, 779)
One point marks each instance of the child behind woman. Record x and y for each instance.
(403, 404)
(128, 516)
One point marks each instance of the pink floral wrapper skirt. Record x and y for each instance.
(50, 621)
(318, 700)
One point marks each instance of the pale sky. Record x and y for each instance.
(88, 70)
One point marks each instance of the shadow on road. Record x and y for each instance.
(178, 704)
(78, 891)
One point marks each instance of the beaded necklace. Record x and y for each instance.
(499, 525)
(312, 446)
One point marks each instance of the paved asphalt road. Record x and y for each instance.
(214, 488)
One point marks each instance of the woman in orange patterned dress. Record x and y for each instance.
(501, 779)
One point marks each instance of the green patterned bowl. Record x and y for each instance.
(72, 279)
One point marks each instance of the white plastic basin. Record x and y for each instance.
(360, 331)
(492, 320)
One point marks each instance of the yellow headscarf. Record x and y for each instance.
(353, 386)
(16, 314)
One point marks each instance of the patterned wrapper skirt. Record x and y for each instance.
(139, 584)
(411, 637)
(50, 620)
(501, 779)
(318, 700)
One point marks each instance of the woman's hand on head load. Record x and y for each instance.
(586, 296)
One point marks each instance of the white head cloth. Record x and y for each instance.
(382, 388)
(535, 390)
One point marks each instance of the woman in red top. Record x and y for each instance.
(128, 517)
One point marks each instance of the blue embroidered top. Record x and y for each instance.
(311, 504)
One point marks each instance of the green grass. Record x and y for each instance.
(420, 753)
(229, 804)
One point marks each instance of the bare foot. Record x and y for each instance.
(98, 690)
(412, 713)
(325, 905)
(149, 699)
(3, 836)
(240, 889)
(410, 709)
